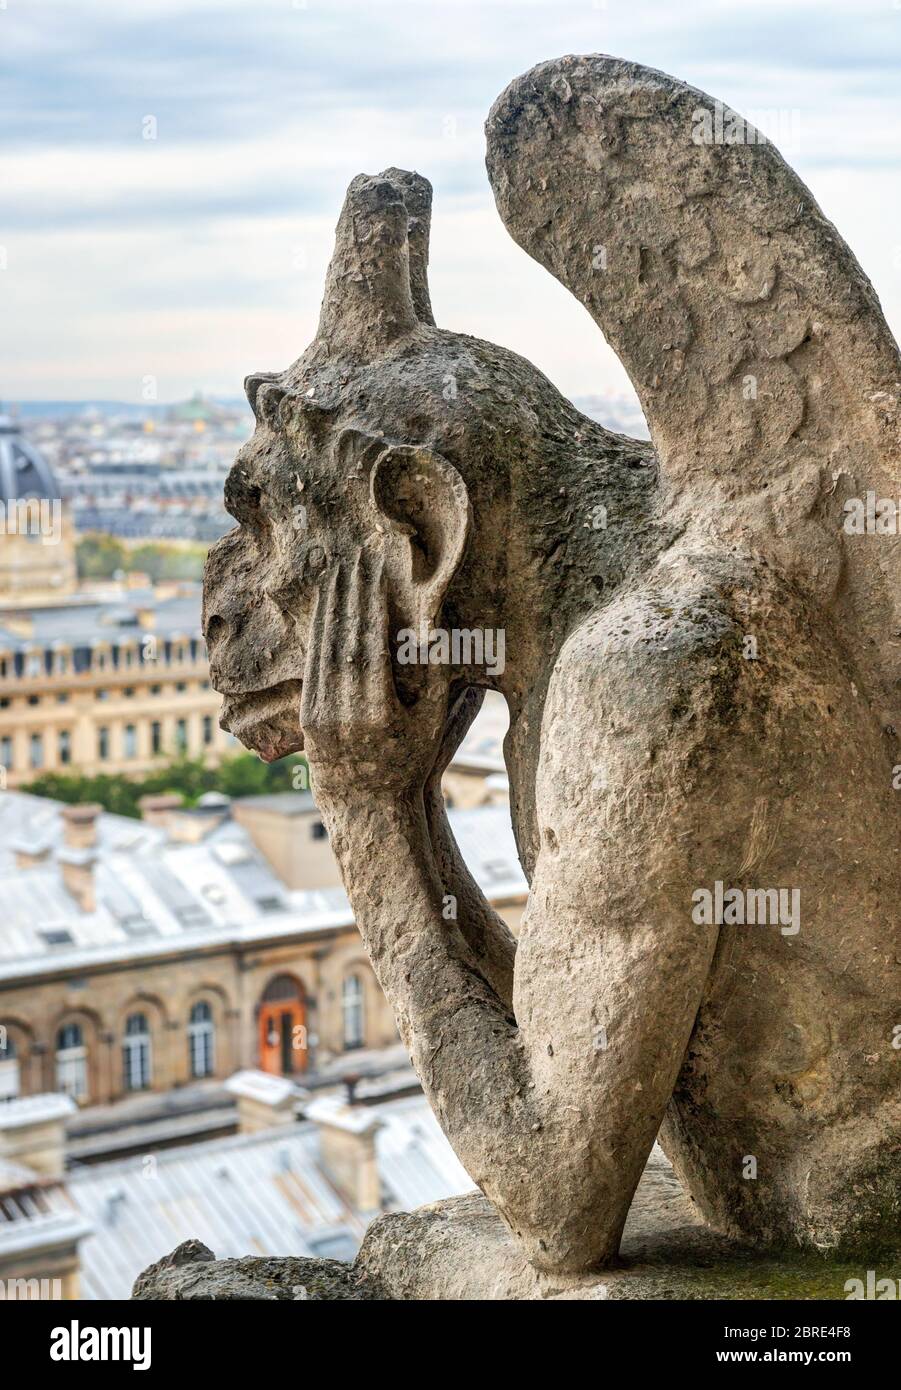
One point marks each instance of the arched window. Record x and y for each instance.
(352, 1006)
(71, 1062)
(136, 1053)
(202, 1040)
(9, 1067)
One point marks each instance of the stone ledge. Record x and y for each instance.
(460, 1250)
(192, 1272)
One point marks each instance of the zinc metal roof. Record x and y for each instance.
(259, 1194)
(154, 895)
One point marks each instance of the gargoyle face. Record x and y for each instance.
(309, 493)
(259, 585)
(314, 486)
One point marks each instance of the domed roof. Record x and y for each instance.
(24, 472)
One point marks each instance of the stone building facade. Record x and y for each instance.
(144, 956)
(112, 686)
(204, 1014)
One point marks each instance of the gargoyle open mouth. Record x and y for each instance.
(266, 720)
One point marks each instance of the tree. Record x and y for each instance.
(98, 556)
(242, 774)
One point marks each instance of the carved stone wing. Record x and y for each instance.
(756, 344)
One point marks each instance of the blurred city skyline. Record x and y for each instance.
(193, 257)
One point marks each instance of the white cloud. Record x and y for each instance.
(202, 253)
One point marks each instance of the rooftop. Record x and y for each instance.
(155, 895)
(82, 622)
(261, 1194)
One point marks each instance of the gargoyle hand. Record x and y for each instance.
(358, 733)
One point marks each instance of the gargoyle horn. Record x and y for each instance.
(376, 289)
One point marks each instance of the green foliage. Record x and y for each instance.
(239, 775)
(168, 561)
(99, 557)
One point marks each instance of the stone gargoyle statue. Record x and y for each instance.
(702, 663)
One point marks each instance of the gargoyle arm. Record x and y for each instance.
(487, 935)
(553, 1111)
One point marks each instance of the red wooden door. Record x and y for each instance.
(283, 1037)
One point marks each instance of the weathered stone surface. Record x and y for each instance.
(461, 1249)
(702, 665)
(193, 1272)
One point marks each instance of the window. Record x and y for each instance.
(136, 1053)
(352, 1006)
(318, 831)
(101, 695)
(130, 742)
(207, 728)
(156, 736)
(34, 699)
(71, 1062)
(156, 690)
(6, 752)
(33, 664)
(201, 1039)
(56, 936)
(36, 751)
(180, 687)
(129, 692)
(103, 743)
(181, 735)
(9, 1067)
(64, 746)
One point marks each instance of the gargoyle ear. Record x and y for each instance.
(422, 497)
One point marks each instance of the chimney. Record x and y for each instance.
(30, 853)
(347, 1149)
(264, 1101)
(80, 825)
(77, 866)
(33, 1132)
(157, 809)
(190, 826)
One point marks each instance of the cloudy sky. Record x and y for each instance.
(199, 255)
